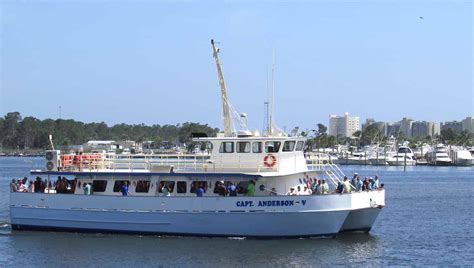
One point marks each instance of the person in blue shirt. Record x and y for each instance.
(358, 185)
(124, 189)
(200, 190)
(232, 189)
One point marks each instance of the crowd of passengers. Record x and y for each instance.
(320, 187)
(61, 185)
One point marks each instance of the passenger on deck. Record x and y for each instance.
(347, 185)
(165, 190)
(314, 184)
(221, 190)
(87, 188)
(200, 190)
(291, 192)
(354, 180)
(232, 189)
(124, 189)
(307, 191)
(325, 187)
(31, 187)
(340, 188)
(298, 190)
(376, 183)
(371, 184)
(365, 184)
(251, 188)
(22, 187)
(13, 186)
(358, 184)
(38, 185)
(318, 189)
(273, 192)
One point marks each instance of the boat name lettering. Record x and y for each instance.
(270, 203)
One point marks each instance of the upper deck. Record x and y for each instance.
(265, 156)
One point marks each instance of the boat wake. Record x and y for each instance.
(5, 228)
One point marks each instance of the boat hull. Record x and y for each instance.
(361, 220)
(281, 216)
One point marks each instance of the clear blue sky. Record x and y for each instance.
(151, 61)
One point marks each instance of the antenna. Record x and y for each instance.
(272, 107)
(266, 122)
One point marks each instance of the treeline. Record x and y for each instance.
(31, 133)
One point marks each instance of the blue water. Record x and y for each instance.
(427, 221)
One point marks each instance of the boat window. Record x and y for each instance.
(257, 147)
(142, 187)
(272, 146)
(195, 185)
(99, 186)
(227, 147)
(118, 185)
(242, 187)
(243, 147)
(300, 146)
(169, 184)
(288, 146)
(181, 187)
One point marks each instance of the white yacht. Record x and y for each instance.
(404, 156)
(463, 157)
(240, 190)
(439, 156)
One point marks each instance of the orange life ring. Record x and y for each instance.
(269, 161)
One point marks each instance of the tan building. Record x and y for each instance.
(343, 126)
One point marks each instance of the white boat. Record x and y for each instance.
(162, 196)
(404, 156)
(439, 156)
(463, 158)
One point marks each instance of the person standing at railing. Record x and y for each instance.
(124, 189)
(200, 190)
(325, 187)
(251, 188)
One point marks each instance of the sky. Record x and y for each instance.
(151, 61)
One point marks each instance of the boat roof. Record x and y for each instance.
(141, 173)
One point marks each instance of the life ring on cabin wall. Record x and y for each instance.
(269, 161)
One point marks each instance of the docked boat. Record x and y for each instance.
(240, 189)
(439, 156)
(404, 156)
(463, 158)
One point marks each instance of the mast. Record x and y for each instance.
(272, 103)
(225, 103)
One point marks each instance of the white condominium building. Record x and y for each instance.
(343, 126)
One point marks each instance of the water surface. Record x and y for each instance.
(427, 221)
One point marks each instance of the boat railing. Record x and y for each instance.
(177, 162)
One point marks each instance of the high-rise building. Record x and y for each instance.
(422, 129)
(392, 129)
(468, 124)
(343, 126)
(405, 126)
(454, 125)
